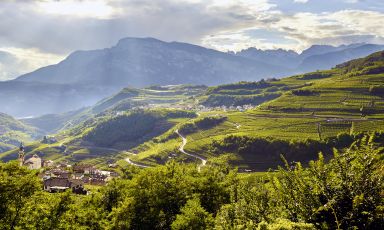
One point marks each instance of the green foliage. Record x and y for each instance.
(13, 131)
(192, 217)
(283, 224)
(342, 193)
(133, 127)
(315, 75)
(236, 100)
(156, 197)
(122, 128)
(201, 123)
(364, 63)
(17, 185)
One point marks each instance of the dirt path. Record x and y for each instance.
(181, 148)
(135, 164)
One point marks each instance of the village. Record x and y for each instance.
(195, 108)
(60, 177)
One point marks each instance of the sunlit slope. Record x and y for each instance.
(296, 117)
(13, 131)
(126, 99)
(318, 106)
(103, 138)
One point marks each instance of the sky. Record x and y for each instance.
(43, 32)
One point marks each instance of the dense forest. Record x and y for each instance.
(345, 192)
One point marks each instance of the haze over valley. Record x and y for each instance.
(191, 114)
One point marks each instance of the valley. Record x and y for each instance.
(191, 115)
(301, 115)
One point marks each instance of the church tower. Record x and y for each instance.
(21, 154)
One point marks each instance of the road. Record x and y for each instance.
(181, 148)
(115, 150)
(135, 164)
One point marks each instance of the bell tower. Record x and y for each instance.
(21, 154)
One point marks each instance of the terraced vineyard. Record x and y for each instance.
(316, 106)
(297, 117)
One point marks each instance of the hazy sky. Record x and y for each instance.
(39, 33)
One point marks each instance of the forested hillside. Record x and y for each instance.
(342, 193)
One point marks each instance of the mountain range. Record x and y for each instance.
(316, 57)
(85, 77)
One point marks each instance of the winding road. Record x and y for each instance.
(135, 164)
(181, 148)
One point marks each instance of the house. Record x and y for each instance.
(48, 164)
(97, 179)
(85, 169)
(54, 185)
(60, 173)
(34, 162)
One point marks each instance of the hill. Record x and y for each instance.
(12, 132)
(132, 62)
(86, 77)
(328, 60)
(179, 96)
(313, 112)
(306, 114)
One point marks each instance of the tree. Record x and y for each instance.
(192, 217)
(342, 194)
(17, 185)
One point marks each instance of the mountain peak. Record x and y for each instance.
(135, 40)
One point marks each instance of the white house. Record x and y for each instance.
(34, 162)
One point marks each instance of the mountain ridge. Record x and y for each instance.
(87, 76)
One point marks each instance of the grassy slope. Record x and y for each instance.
(331, 101)
(13, 131)
(126, 99)
(335, 104)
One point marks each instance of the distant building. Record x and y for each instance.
(54, 185)
(85, 169)
(34, 162)
(48, 164)
(21, 154)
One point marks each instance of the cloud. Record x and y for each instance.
(15, 62)
(300, 1)
(300, 30)
(53, 29)
(29, 25)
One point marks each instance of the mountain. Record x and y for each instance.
(255, 122)
(85, 77)
(316, 57)
(328, 60)
(24, 99)
(279, 57)
(140, 62)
